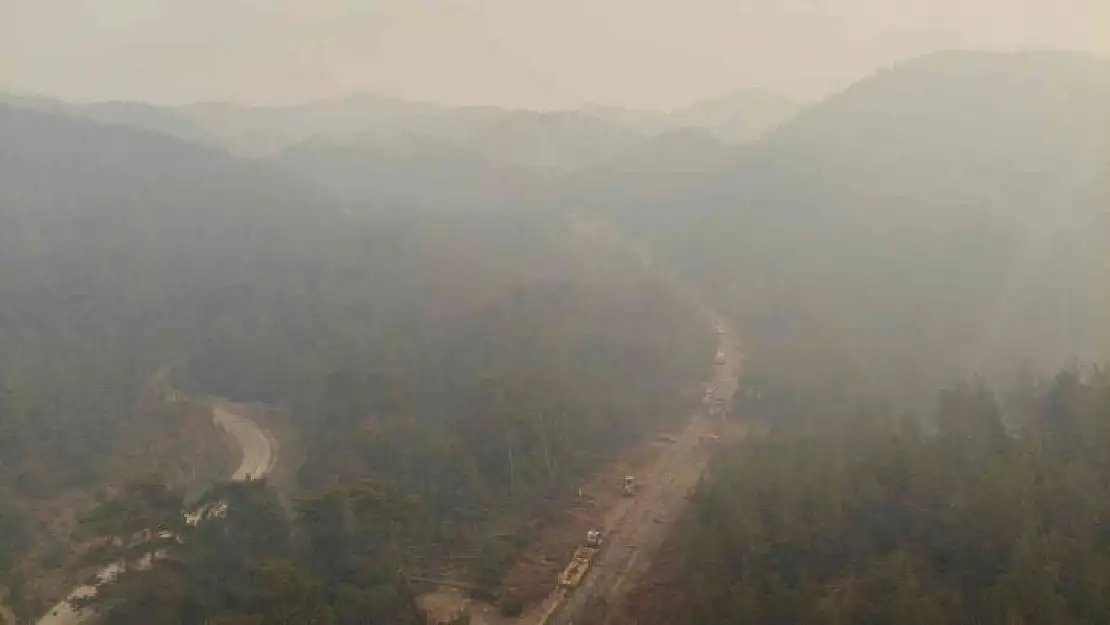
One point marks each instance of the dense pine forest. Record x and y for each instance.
(480, 363)
(991, 511)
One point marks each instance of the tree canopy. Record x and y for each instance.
(986, 518)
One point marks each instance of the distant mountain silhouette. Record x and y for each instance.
(923, 223)
(742, 116)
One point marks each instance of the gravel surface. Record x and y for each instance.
(636, 527)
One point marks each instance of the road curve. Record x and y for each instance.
(259, 456)
(259, 450)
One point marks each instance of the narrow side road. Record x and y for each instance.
(259, 457)
(259, 449)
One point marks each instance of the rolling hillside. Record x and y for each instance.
(895, 226)
(124, 251)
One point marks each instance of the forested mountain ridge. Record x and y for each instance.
(135, 115)
(255, 131)
(740, 117)
(114, 240)
(116, 245)
(416, 171)
(126, 251)
(963, 125)
(944, 218)
(888, 226)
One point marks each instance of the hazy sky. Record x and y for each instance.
(534, 53)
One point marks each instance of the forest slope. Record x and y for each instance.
(869, 519)
(887, 227)
(465, 337)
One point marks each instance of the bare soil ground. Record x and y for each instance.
(637, 532)
(443, 605)
(640, 531)
(532, 577)
(654, 596)
(634, 527)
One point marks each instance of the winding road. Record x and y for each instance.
(259, 457)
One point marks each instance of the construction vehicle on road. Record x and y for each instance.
(628, 488)
(710, 395)
(580, 561)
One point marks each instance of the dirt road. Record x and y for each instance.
(636, 527)
(259, 457)
(259, 449)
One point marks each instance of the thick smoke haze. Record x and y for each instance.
(366, 311)
(529, 53)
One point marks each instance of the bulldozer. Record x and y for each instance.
(580, 561)
(628, 487)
